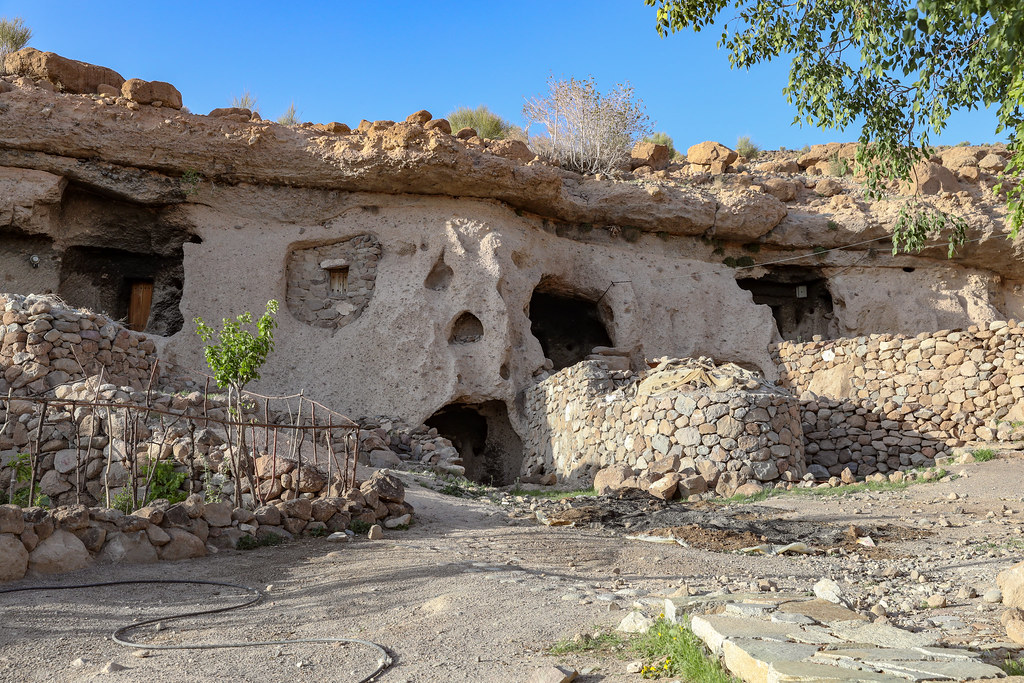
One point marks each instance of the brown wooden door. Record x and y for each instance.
(139, 304)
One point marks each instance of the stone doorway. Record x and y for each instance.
(491, 451)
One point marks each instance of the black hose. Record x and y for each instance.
(255, 595)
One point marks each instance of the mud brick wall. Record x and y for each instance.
(580, 420)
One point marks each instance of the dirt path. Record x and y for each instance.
(468, 594)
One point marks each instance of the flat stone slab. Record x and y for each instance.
(747, 609)
(810, 672)
(882, 635)
(890, 654)
(792, 618)
(821, 610)
(815, 635)
(957, 670)
(715, 629)
(752, 659)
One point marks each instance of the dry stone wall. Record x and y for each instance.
(330, 285)
(45, 345)
(885, 402)
(67, 538)
(584, 418)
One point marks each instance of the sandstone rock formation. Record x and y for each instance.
(490, 262)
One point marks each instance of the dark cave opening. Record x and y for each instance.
(143, 290)
(491, 451)
(799, 299)
(567, 326)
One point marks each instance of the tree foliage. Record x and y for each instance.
(589, 132)
(900, 66)
(234, 354)
(661, 138)
(14, 35)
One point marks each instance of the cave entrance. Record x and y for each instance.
(142, 290)
(491, 451)
(568, 326)
(800, 301)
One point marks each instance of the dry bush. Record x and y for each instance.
(588, 132)
(14, 35)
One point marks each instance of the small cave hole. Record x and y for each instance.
(567, 326)
(503, 371)
(799, 299)
(440, 275)
(491, 451)
(909, 269)
(466, 329)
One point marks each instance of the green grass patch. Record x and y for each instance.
(553, 495)
(604, 641)
(672, 650)
(253, 542)
(983, 454)
(1014, 667)
(459, 487)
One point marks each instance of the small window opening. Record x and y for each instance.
(339, 280)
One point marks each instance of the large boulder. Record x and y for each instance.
(13, 558)
(11, 519)
(61, 552)
(511, 149)
(182, 545)
(389, 488)
(931, 178)
(714, 154)
(130, 548)
(745, 216)
(649, 154)
(149, 92)
(610, 479)
(1011, 582)
(69, 75)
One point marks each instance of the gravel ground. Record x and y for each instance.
(472, 594)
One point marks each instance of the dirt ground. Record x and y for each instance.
(469, 593)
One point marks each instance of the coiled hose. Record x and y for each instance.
(255, 595)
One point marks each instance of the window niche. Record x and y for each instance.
(330, 285)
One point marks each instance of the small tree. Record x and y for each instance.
(289, 117)
(589, 132)
(486, 123)
(14, 35)
(235, 357)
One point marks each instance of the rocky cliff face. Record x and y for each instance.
(413, 265)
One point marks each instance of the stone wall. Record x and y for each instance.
(45, 345)
(72, 537)
(584, 418)
(890, 401)
(330, 285)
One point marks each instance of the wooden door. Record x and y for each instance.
(139, 304)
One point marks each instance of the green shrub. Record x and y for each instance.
(245, 101)
(166, 483)
(253, 542)
(358, 526)
(838, 166)
(289, 117)
(486, 123)
(663, 139)
(746, 148)
(14, 35)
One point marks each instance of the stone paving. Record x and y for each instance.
(790, 637)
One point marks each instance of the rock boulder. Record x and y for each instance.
(70, 75)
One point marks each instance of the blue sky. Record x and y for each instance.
(346, 61)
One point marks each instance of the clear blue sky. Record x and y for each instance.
(346, 61)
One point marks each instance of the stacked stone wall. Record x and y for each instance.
(581, 419)
(886, 402)
(73, 537)
(44, 345)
